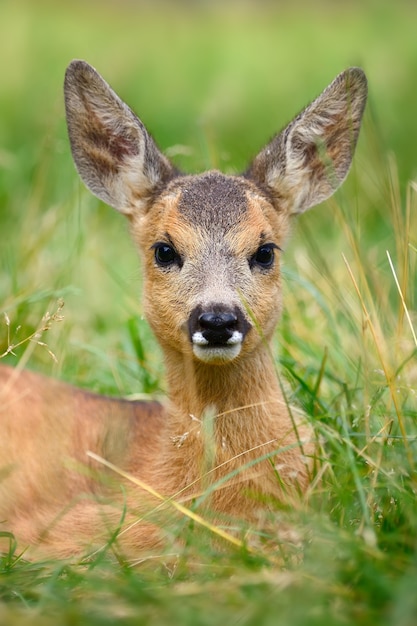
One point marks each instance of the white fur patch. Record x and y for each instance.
(237, 337)
(217, 354)
(199, 340)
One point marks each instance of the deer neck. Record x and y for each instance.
(242, 400)
(229, 420)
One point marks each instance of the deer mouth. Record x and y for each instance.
(216, 353)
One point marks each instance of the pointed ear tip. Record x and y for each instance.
(78, 68)
(358, 76)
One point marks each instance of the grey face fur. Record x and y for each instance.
(213, 200)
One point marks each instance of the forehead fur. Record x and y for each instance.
(212, 199)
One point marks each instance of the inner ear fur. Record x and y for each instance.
(114, 154)
(305, 163)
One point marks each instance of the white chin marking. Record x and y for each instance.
(217, 354)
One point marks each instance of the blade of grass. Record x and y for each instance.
(176, 505)
(384, 365)
(407, 314)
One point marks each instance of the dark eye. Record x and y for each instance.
(264, 256)
(166, 255)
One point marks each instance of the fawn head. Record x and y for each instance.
(210, 243)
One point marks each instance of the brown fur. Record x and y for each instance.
(225, 408)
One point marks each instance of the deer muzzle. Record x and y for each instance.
(217, 333)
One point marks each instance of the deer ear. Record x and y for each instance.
(114, 154)
(311, 157)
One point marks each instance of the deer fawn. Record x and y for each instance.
(210, 246)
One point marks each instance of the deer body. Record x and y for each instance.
(210, 247)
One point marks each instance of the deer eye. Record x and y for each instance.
(166, 255)
(264, 256)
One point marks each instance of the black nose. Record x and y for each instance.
(217, 328)
(217, 321)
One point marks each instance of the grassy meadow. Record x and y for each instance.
(212, 82)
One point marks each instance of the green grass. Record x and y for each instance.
(212, 83)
